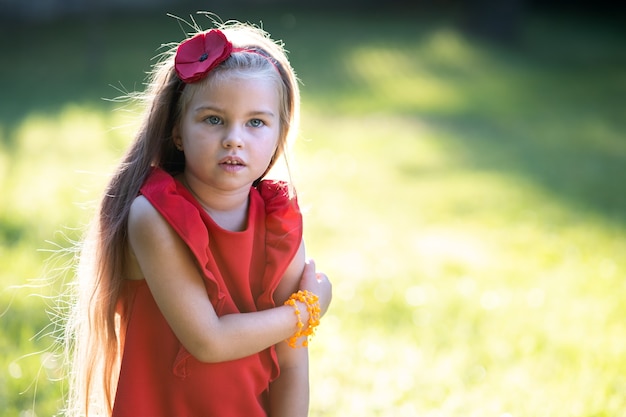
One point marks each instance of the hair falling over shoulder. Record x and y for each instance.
(94, 334)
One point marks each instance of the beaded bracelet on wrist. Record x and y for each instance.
(313, 308)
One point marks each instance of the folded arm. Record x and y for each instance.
(177, 286)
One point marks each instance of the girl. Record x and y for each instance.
(183, 278)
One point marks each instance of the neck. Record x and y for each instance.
(228, 209)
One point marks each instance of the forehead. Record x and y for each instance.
(234, 88)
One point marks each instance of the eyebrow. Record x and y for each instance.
(218, 110)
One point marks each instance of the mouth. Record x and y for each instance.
(232, 161)
(232, 164)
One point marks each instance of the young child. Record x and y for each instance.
(194, 298)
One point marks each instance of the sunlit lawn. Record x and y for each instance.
(466, 199)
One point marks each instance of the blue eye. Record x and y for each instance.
(256, 123)
(213, 120)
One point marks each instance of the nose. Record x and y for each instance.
(233, 138)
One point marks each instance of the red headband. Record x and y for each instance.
(198, 55)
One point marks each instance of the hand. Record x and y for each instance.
(317, 283)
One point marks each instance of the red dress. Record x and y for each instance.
(241, 270)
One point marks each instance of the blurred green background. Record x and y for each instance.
(462, 172)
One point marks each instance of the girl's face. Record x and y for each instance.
(229, 132)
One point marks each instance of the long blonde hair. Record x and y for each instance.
(95, 332)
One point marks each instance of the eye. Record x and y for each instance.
(256, 123)
(213, 120)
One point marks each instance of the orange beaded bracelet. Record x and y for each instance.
(312, 307)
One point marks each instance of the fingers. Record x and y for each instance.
(309, 275)
(318, 283)
(309, 264)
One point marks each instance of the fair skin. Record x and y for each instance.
(229, 133)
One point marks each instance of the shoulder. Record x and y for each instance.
(278, 197)
(143, 218)
(157, 180)
(141, 210)
(272, 190)
(151, 237)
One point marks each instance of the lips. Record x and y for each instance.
(232, 160)
(232, 164)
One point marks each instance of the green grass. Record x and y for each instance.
(467, 200)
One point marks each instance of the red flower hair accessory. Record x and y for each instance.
(198, 55)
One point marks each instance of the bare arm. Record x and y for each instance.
(178, 289)
(289, 394)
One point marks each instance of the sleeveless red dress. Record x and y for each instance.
(241, 270)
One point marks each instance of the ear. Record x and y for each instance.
(177, 139)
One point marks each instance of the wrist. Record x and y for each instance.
(304, 312)
(306, 307)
